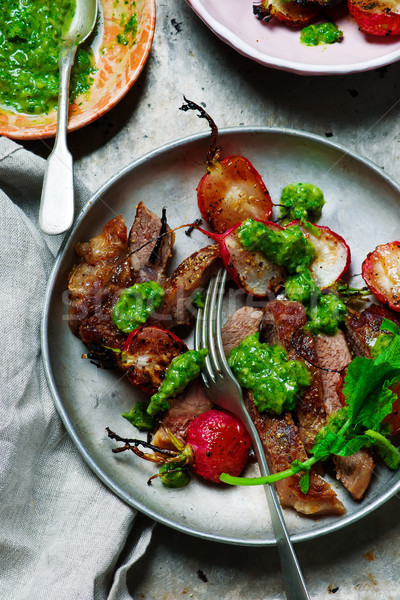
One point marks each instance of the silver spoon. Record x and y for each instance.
(57, 202)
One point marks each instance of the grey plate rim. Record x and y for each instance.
(333, 527)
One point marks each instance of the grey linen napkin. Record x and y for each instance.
(61, 530)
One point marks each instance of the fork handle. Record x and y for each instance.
(293, 579)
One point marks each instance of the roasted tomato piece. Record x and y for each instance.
(147, 354)
(381, 273)
(376, 17)
(232, 191)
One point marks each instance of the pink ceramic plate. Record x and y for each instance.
(276, 45)
(118, 68)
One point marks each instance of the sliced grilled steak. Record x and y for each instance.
(148, 260)
(279, 435)
(183, 409)
(245, 321)
(282, 324)
(282, 445)
(94, 285)
(363, 328)
(333, 353)
(191, 275)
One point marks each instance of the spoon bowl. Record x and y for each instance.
(56, 212)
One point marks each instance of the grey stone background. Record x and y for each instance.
(359, 111)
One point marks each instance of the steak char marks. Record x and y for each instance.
(149, 253)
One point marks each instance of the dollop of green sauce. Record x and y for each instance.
(136, 304)
(324, 311)
(326, 314)
(182, 370)
(130, 29)
(31, 33)
(302, 202)
(174, 476)
(322, 33)
(276, 383)
(139, 417)
(287, 247)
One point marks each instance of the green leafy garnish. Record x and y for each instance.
(368, 400)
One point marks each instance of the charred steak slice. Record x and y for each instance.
(282, 324)
(191, 275)
(149, 254)
(183, 410)
(333, 353)
(282, 445)
(245, 321)
(363, 328)
(94, 285)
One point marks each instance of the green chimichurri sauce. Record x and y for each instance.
(324, 311)
(287, 247)
(139, 417)
(323, 33)
(30, 41)
(302, 202)
(275, 382)
(182, 370)
(136, 304)
(130, 29)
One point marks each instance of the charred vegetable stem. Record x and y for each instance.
(214, 151)
(269, 479)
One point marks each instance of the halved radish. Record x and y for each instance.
(332, 254)
(376, 17)
(252, 271)
(232, 191)
(381, 273)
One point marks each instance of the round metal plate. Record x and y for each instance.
(362, 204)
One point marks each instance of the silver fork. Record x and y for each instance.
(226, 392)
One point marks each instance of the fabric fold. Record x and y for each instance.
(62, 531)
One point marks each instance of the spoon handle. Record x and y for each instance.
(56, 212)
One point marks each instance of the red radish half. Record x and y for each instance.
(381, 273)
(232, 191)
(147, 354)
(332, 255)
(376, 17)
(252, 271)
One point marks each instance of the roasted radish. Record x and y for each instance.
(291, 13)
(252, 271)
(332, 254)
(147, 354)
(231, 190)
(217, 442)
(381, 273)
(379, 17)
